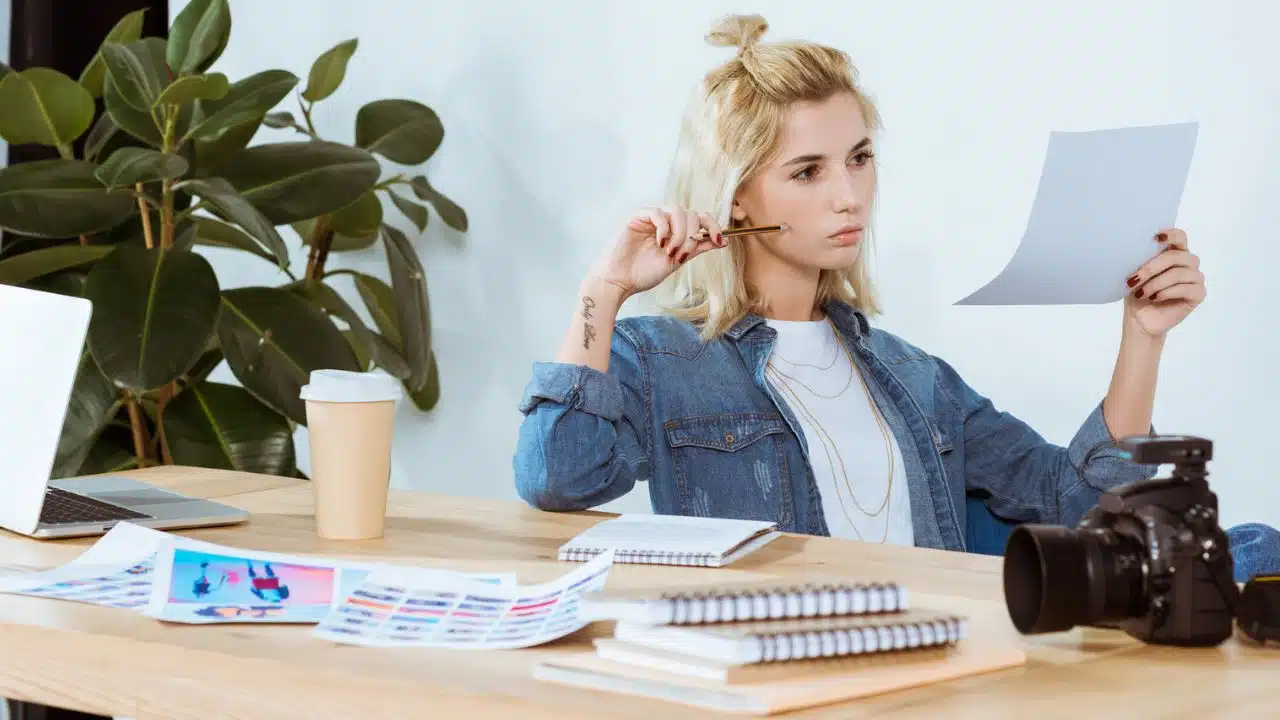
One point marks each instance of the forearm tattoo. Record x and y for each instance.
(588, 330)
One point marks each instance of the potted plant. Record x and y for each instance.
(168, 167)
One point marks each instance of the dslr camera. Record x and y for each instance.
(1150, 559)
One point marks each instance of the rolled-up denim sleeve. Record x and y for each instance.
(1027, 478)
(580, 443)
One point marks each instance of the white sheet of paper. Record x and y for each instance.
(402, 607)
(115, 572)
(1103, 195)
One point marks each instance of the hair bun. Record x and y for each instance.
(740, 31)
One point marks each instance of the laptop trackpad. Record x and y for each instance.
(139, 497)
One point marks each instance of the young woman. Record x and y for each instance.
(763, 391)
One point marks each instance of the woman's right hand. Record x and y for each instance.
(652, 244)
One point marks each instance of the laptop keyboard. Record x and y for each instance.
(65, 508)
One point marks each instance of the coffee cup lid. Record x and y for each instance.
(347, 386)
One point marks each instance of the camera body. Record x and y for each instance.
(1150, 559)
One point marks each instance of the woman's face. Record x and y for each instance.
(820, 184)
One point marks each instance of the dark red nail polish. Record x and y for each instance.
(1161, 237)
(1133, 281)
(683, 257)
(1138, 293)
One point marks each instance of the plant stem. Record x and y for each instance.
(394, 180)
(65, 153)
(146, 218)
(306, 115)
(321, 239)
(166, 200)
(139, 429)
(166, 394)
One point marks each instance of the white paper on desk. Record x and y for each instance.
(115, 572)
(1103, 196)
(396, 607)
(201, 583)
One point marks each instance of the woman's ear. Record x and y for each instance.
(737, 212)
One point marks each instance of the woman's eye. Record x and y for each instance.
(806, 174)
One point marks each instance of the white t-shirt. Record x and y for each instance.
(847, 445)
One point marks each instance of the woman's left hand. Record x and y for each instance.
(1165, 290)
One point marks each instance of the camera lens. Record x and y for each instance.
(1056, 578)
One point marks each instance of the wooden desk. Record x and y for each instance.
(111, 661)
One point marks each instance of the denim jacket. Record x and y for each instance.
(699, 423)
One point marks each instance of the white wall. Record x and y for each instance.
(561, 115)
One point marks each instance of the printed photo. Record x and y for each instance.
(214, 580)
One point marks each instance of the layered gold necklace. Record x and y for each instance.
(829, 444)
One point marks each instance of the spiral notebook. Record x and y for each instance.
(770, 641)
(744, 601)
(779, 666)
(671, 540)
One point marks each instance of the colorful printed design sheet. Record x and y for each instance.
(398, 607)
(126, 586)
(203, 583)
(182, 580)
(115, 572)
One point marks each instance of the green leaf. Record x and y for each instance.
(282, 119)
(33, 264)
(296, 181)
(198, 35)
(381, 351)
(59, 199)
(340, 241)
(380, 301)
(361, 218)
(138, 71)
(130, 165)
(247, 101)
(189, 88)
(273, 339)
(403, 131)
(219, 194)
(416, 213)
(215, 425)
(67, 282)
(136, 123)
(99, 135)
(362, 353)
(426, 397)
(43, 106)
(211, 155)
(216, 233)
(127, 29)
(328, 71)
(94, 402)
(453, 216)
(154, 312)
(207, 363)
(413, 314)
(107, 456)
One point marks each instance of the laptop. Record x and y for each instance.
(42, 335)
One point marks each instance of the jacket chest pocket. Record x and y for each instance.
(732, 465)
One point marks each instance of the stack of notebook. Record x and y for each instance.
(762, 648)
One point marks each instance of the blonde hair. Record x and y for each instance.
(731, 128)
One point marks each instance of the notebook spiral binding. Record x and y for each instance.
(644, 557)
(933, 633)
(797, 601)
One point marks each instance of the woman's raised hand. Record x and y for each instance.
(652, 244)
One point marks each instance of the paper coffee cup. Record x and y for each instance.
(350, 423)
